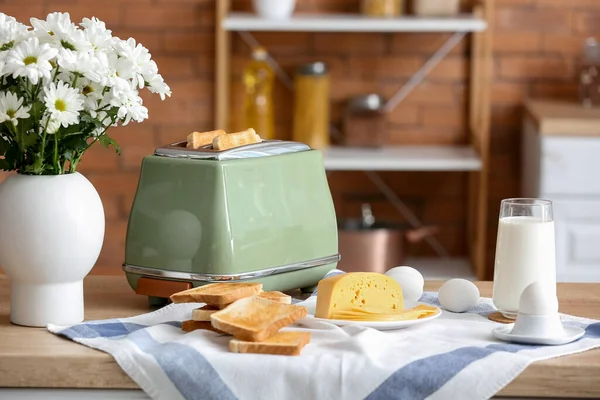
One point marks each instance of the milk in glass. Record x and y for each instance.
(524, 254)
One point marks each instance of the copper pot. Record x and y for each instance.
(375, 247)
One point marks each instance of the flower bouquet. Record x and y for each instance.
(61, 87)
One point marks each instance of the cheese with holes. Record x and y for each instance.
(358, 291)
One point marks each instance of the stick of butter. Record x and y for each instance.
(358, 290)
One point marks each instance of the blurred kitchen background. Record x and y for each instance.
(540, 88)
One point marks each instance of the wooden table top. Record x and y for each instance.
(33, 357)
(563, 118)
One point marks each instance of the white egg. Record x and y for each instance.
(538, 299)
(411, 281)
(458, 295)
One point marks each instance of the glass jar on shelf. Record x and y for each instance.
(365, 121)
(381, 8)
(311, 105)
(258, 79)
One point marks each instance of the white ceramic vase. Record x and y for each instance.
(274, 9)
(51, 233)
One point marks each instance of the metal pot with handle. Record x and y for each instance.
(371, 246)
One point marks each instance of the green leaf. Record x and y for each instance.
(29, 140)
(73, 143)
(68, 45)
(37, 108)
(108, 141)
(87, 118)
(112, 112)
(7, 46)
(5, 165)
(71, 130)
(37, 167)
(4, 145)
(12, 156)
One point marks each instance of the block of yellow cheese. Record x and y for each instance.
(350, 292)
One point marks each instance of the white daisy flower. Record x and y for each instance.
(96, 33)
(81, 63)
(56, 24)
(75, 40)
(106, 122)
(156, 84)
(7, 18)
(60, 31)
(93, 93)
(63, 103)
(140, 58)
(119, 72)
(30, 59)
(11, 108)
(11, 31)
(130, 107)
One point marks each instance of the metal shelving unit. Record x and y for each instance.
(472, 158)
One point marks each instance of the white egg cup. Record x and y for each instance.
(538, 321)
(538, 329)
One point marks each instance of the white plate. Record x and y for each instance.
(384, 325)
(571, 334)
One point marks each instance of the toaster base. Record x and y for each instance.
(306, 280)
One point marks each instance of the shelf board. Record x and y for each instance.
(353, 23)
(402, 158)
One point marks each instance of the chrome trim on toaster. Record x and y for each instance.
(318, 262)
(263, 149)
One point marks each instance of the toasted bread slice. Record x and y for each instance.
(231, 140)
(282, 343)
(217, 294)
(276, 296)
(199, 139)
(203, 313)
(191, 325)
(255, 319)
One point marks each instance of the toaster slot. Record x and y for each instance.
(265, 148)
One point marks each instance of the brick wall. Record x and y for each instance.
(536, 53)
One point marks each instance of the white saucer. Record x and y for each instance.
(384, 325)
(571, 334)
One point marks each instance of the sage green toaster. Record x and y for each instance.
(261, 212)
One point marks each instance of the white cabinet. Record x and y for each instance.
(561, 162)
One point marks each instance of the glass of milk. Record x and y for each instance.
(524, 251)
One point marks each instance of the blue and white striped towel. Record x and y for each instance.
(453, 356)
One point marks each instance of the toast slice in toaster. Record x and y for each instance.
(276, 296)
(191, 325)
(217, 294)
(203, 313)
(231, 140)
(256, 319)
(199, 139)
(287, 343)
